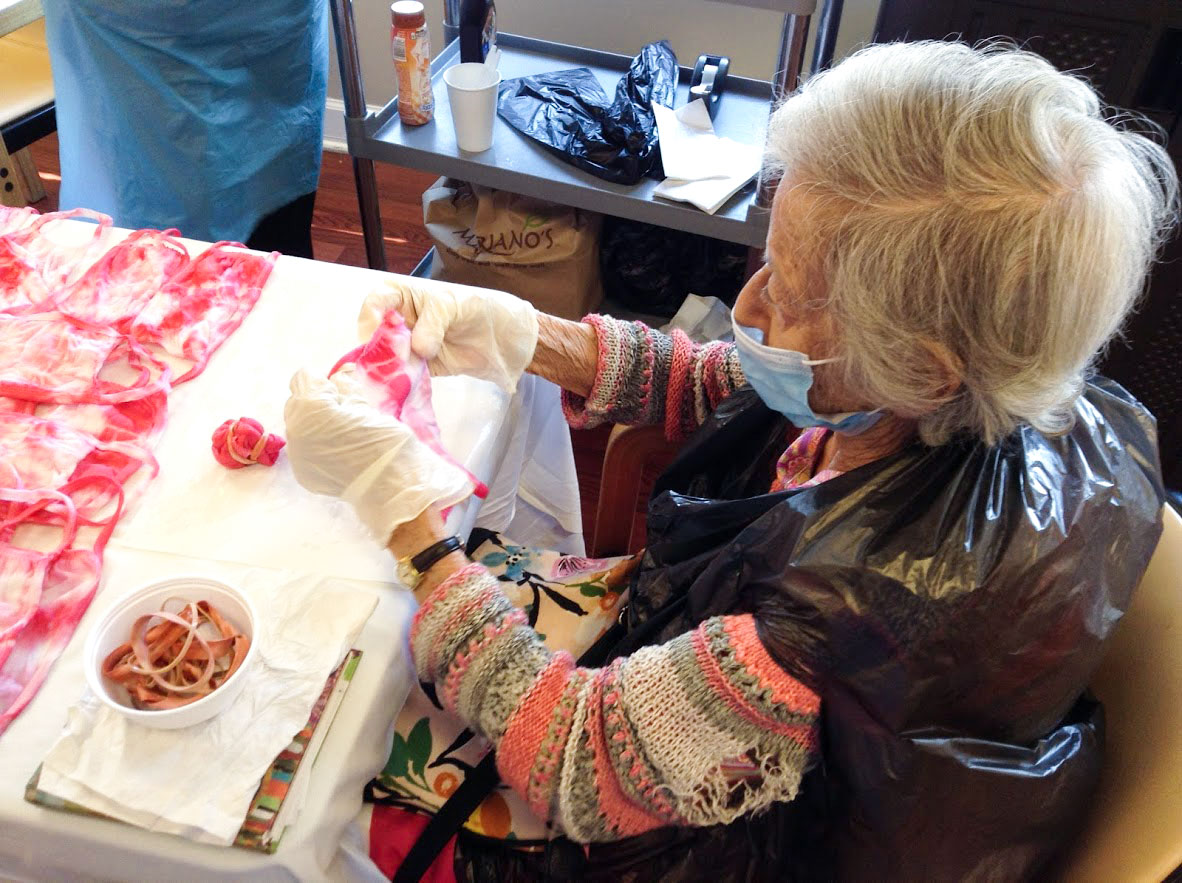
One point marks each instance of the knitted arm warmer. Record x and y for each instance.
(694, 732)
(644, 376)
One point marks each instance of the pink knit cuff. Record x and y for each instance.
(585, 412)
(678, 395)
(624, 816)
(786, 691)
(449, 693)
(714, 370)
(426, 608)
(777, 684)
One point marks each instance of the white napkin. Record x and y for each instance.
(701, 168)
(198, 782)
(702, 319)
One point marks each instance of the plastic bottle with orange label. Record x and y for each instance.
(411, 48)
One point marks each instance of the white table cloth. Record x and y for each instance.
(197, 517)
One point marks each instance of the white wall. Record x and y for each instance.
(749, 36)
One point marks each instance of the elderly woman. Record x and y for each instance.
(881, 571)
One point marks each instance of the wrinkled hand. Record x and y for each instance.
(342, 446)
(458, 329)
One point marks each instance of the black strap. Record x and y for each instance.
(477, 785)
(422, 562)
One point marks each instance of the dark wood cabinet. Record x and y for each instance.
(1132, 53)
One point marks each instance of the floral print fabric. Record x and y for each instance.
(570, 601)
(797, 466)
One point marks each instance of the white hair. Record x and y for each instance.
(976, 216)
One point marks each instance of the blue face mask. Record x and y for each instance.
(782, 378)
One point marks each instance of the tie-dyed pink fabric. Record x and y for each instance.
(398, 383)
(86, 329)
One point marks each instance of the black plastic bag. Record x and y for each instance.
(569, 113)
(650, 269)
(949, 604)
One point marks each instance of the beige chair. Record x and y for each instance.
(1134, 831)
(26, 110)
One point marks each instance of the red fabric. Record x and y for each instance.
(393, 831)
(21, 286)
(242, 442)
(56, 258)
(81, 402)
(49, 358)
(58, 588)
(121, 283)
(202, 303)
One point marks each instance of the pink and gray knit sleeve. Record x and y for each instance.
(643, 376)
(694, 732)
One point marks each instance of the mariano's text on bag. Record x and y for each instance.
(545, 253)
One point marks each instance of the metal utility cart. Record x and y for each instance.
(519, 165)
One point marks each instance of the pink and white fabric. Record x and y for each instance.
(86, 330)
(21, 285)
(398, 382)
(202, 304)
(120, 284)
(53, 251)
(43, 595)
(13, 219)
(47, 357)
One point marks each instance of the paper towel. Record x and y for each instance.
(198, 782)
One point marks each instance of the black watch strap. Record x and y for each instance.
(422, 562)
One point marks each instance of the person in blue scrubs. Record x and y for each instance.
(205, 116)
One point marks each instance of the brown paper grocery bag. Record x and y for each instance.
(545, 253)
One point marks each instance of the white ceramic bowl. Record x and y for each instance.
(115, 628)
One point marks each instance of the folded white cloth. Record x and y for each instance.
(701, 168)
(198, 782)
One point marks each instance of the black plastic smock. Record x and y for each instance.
(948, 604)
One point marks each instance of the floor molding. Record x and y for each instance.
(334, 124)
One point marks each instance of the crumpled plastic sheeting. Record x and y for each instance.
(569, 113)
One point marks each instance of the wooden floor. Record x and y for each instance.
(336, 226)
(336, 237)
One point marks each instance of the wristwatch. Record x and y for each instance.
(412, 568)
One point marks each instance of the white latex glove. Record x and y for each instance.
(459, 329)
(342, 446)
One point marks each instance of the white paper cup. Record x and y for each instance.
(472, 94)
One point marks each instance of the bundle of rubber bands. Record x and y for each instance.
(173, 659)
